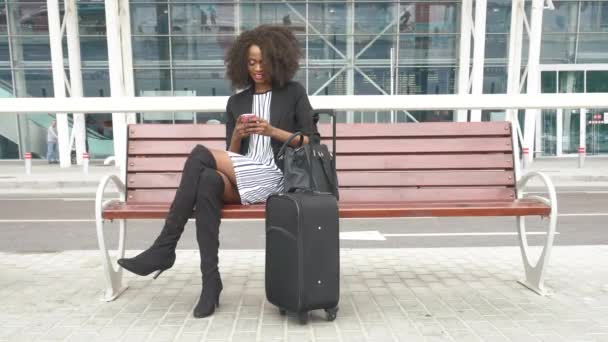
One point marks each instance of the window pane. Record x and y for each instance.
(380, 78)
(149, 19)
(594, 16)
(151, 80)
(96, 82)
(31, 49)
(93, 48)
(562, 19)
(151, 50)
(495, 80)
(6, 83)
(291, 15)
(421, 49)
(202, 82)
(190, 49)
(571, 82)
(317, 77)
(327, 17)
(558, 48)
(202, 18)
(92, 19)
(379, 49)
(548, 81)
(4, 52)
(496, 45)
(597, 81)
(428, 18)
(38, 83)
(326, 47)
(29, 17)
(3, 26)
(373, 18)
(436, 80)
(593, 48)
(498, 17)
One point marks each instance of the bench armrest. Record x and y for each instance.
(101, 188)
(551, 201)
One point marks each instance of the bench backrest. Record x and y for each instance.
(444, 161)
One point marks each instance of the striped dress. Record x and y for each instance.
(257, 175)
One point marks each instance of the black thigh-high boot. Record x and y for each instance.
(161, 255)
(208, 217)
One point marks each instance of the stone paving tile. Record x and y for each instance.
(431, 294)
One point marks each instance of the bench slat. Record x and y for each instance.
(396, 162)
(347, 146)
(426, 129)
(363, 179)
(524, 207)
(369, 194)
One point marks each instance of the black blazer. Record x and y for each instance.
(290, 111)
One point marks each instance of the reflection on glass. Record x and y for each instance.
(571, 123)
(498, 17)
(495, 80)
(425, 80)
(327, 18)
(571, 82)
(147, 80)
(326, 47)
(6, 83)
(428, 18)
(193, 48)
(149, 50)
(149, 19)
(31, 49)
(93, 48)
(4, 52)
(597, 131)
(549, 129)
(319, 77)
(592, 48)
(379, 49)
(29, 18)
(202, 82)
(91, 19)
(558, 48)
(496, 45)
(597, 81)
(3, 22)
(202, 18)
(548, 81)
(96, 82)
(594, 16)
(373, 18)
(426, 48)
(278, 13)
(34, 83)
(368, 82)
(562, 18)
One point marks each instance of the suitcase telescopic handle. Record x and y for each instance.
(332, 114)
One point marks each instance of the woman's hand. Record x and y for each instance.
(240, 130)
(261, 127)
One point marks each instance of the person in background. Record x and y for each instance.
(51, 143)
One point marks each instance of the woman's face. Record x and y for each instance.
(255, 66)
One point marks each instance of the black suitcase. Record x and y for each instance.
(303, 253)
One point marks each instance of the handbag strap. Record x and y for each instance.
(289, 140)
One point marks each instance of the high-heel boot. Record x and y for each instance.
(161, 255)
(208, 217)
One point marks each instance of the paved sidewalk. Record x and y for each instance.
(446, 294)
(51, 179)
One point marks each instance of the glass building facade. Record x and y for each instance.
(178, 49)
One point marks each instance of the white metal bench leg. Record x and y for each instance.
(535, 274)
(113, 276)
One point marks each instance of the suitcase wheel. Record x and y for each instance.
(303, 317)
(283, 312)
(331, 313)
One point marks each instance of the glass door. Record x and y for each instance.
(597, 131)
(548, 140)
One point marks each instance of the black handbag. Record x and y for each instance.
(309, 167)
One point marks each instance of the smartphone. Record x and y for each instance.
(248, 117)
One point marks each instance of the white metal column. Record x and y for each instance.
(117, 90)
(73, 39)
(464, 56)
(127, 54)
(350, 55)
(479, 47)
(515, 49)
(533, 81)
(55, 38)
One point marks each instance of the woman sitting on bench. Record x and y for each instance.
(262, 61)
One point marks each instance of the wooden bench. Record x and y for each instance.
(385, 170)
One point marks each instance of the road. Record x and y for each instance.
(48, 224)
